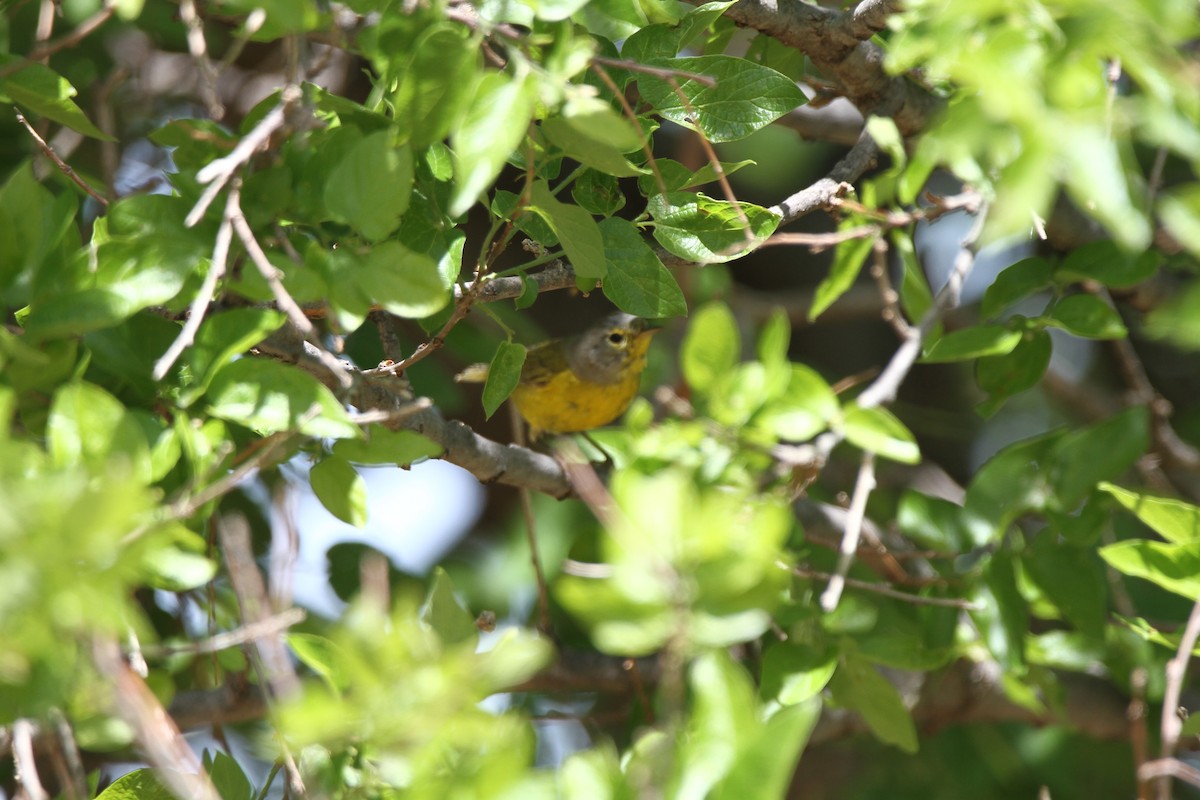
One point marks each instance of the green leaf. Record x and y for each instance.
(878, 431)
(858, 686)
(746, 96)
(598, 193)
(1095, 178)
(976, 342)
(1174, 520)
(504, 373)
(1073, 579)
(141, 784)
(445, 614)
(807, 407)
(221, 338)
(227, 776)
(269, 397)
(1106, 263)
(1086, 456)
(380, 445)
(915, 296)
(1174, 567)
(711, 346)
(1088, 316)
(495, 122)
(406, 283)
(89, 427)
(1175, 320)
(794, 673)
(175, 561)
(43, 91)
(321, 656)
(775, 338)
(597, 137)
(32, 224)
(1014, 284)
(1005, 375)
(340, 489)
(576, 230)
(707, 231)
(847, 262)
(370, 187)
(434, 83)
(1180, 212)
(637, 282)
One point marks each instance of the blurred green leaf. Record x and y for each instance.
(1086, 456)
(1088, 316)
(43, 91)
(858, 686)
(848, 261)
(878, 431)
(495, 122)
(711, 346)
(794, 673)
(1015, 283)
(340, 489)
(1108, 264)
(270, 397)
(1174, 520)
(381, 445)
(445, 614)
(974, 342)
(1174, 567)
(370, 187)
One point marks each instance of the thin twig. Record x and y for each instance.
(886, 591)
(892, 314)
(631, 115)
(658, 72)
(78, 33)
(816, 242)
(711, 154)
(216, 270)
(198, 48)
(268, 626)
(863, 487)
(218, 172)
(1176, 671)
(24, 762)
(535, 557)
(63, 167)
(884, 388)
(1166, 768)
(1138, 737)
(274, 278)
(269, 654)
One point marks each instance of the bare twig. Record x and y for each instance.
(269, 653)
(886, 590)
(631, 115)
(822, 193)
(816, 242)
(863, 487)
(535, 557)
(81, 31)
(884, 388)
(268, 626)
(157, 737)
(890, 297)
(63, 167)
(1138, 738)
(217, 173)
(198, 48)
(1164, 769)
(187, 505)
(204, 296)
(658, 72)
(1176, 671)
(23, 761)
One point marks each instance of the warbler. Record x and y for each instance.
(583, 381)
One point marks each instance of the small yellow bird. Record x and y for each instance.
(583, 381)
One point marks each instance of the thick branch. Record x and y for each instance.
(489, 461)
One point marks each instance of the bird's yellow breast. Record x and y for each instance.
(566, 403)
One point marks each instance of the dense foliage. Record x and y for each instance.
(921, 459)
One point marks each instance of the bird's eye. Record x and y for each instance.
(616, 337)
